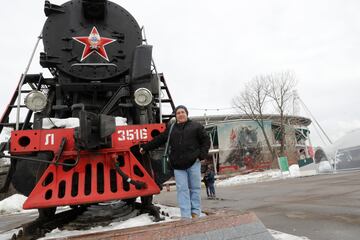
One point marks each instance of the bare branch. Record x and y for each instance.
(281, 86)
(252, 102)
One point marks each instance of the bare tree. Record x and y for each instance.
(252, 102)
(281, 86)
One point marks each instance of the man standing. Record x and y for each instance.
(189, 144)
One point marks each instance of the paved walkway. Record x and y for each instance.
(322, 207)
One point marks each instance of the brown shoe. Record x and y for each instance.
(193, 215)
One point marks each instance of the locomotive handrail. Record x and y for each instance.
(156, 73)
(2, 155)
(22, 81)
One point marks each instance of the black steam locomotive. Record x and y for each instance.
(102, 71)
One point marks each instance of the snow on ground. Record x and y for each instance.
(325, 167)
(141, 220)
(254, 177)
(5, 161)
(13, 204)
(8, 235)
(284, 236)
(294, 170)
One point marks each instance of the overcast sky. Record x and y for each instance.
(207, 49)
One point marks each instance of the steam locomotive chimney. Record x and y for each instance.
(94, 9)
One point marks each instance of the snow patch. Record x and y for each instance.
(252, 178)
(284, 236)
(8, 235)
(49, 123)
(294, 170)
(324, 167)
(269, 175)
(12, 204)
(5, 161)
(120, 121)
(141, 220)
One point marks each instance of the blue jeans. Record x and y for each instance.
(188, 187)
(212, 189)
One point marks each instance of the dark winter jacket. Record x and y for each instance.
(188, 142)
(209, 177)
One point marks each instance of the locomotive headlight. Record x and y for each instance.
(35, 101)
(143, 97)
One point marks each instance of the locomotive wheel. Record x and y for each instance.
(146, 200)
(24, 179)
(28, 173)
(46, 213)
(130, 201)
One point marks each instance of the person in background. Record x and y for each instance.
(210, 182)
(189, 144)
(206, 185)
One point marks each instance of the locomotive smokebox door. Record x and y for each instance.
(90, 40)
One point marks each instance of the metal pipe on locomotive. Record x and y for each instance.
(100, 70)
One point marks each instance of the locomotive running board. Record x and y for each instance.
(94, 177)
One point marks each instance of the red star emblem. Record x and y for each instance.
(94, 43)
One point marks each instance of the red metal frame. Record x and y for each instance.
(232, 168)
(97, 168)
